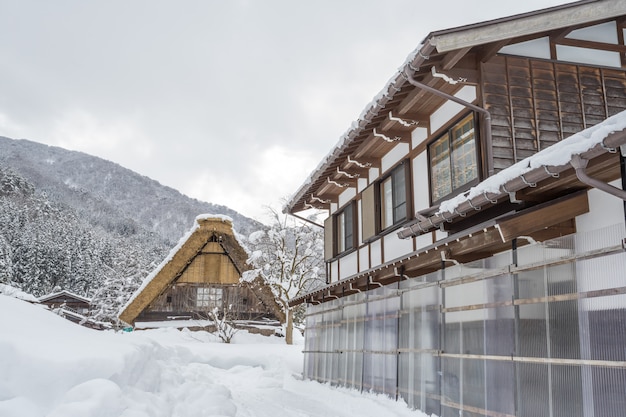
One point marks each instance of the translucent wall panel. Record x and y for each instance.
(381, 342)
(535, 332)
(418, 362)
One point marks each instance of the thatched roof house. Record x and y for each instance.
(200, 274)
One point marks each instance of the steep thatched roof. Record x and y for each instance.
(207, 228)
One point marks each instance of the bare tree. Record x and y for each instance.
(288, 256)
(224, 326)
(207, 303)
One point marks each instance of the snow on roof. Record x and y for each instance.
(64, 292)
(17, 293)
(558, 154)
(208, 216)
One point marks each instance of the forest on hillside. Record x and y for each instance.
(72, 221)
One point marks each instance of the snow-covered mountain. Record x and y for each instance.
(73, 221)
(108, 194)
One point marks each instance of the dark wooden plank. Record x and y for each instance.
(545, 215)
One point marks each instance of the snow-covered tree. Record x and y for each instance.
(288, 257)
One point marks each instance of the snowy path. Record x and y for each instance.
(53, 368)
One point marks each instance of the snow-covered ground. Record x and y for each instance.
(54, 368)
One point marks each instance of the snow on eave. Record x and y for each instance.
(420, 54)
(559, 154)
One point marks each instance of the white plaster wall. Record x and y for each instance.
(394, 155)
(373, 174)
(364, 258)
(450, 109)
(362, 184)
(440, 235)
(423, 241)
(604, 210)
(348, 265)
(346, 196)
(334, 271)
(396, 247)
(421, 199)
(375, 252)
(418, 135)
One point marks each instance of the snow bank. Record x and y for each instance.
(52, 367)
(17, 293)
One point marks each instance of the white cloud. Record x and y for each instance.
(234, 102)
(274, 174)
(9, 128)
(110, 139)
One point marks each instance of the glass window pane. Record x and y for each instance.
(209, 297)
(341, 220)
(453, 159)
(440, 168)
(464, 162)
(345, 230)
(386, 193)
(348, 228)
(399, 194)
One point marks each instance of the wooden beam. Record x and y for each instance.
(592, 45)
(415, 96)
(452, 58)
(543, 216)
(491, 50)
(559, 35)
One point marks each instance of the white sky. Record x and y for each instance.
(231, 102)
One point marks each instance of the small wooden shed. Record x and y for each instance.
(201, 274)
(68, 301)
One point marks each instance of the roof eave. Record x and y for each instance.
(526, 24)
(468, 36)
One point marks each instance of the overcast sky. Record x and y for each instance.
(230, 102)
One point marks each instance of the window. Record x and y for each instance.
(393, 201)
(345, 229)
(453, 159)
(209, 297)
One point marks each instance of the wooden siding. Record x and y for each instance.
(536, 103)
(180, 300)
(329, 238)
(368, 210)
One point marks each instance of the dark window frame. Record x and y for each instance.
(447, 133)
(401, 170)
(349, 239)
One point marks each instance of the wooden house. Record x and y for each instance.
(474, 242)
(68, 301)
(201, 273)
(72, 307)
